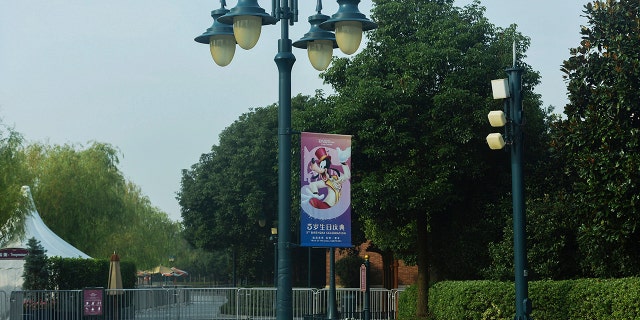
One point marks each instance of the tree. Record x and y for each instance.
(601, 137)
(36, 268)
(230, 190)
(416, 101)
(82, 196)
(13, 175)
(78, 192)
(348, 270)
(225, 195)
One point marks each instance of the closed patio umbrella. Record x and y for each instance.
(115, 277)
(115, 284)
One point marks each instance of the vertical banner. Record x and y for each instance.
(325, 190)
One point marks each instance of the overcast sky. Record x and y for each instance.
(128, 73)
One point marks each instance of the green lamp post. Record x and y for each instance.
(512, 118)
(247, 18)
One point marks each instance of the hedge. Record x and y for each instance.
(609, 299)
(75, 273)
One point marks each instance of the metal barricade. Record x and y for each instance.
(4, 305)
(182, 303)
(350, 303)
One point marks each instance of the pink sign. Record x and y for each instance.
(363, 278)
(92, 302)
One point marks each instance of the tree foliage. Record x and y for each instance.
(601, 137)
(225, 195)
(82, 196)
(13, 175)
(416, 101)
(230, 190)
(36, 267)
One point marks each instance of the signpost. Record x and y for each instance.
(364, 286)
(363, 278)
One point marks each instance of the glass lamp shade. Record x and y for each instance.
(247, 30)
(222, 47)
(348, 36)
(320, 53)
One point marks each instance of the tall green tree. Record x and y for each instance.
(416, 101)
(600, 137)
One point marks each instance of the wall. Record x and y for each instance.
(397, 274)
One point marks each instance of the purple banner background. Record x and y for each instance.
(325, 219)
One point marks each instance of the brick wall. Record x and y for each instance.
(400, 274)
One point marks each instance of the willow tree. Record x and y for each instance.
(416, 100)
(82, 196)
(13, 175)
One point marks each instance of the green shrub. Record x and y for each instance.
(610, 299)
(407, 303)
(76, 273)
(348, 270)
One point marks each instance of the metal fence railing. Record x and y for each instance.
(182, 303)
(4, 305)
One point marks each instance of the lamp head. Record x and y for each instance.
(318, 42)
(495, 141)
(247, 18)
(348, 23)
(220, 39)
(497, 119)
(500, 88)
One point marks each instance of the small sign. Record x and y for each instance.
(363, 278)
(92, 302)
(13, 253)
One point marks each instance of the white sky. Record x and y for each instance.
(128, 73)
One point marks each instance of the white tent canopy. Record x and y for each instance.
(11, 270)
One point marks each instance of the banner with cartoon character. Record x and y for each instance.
(325, 190)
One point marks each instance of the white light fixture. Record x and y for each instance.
(497, 119)
(500, 88)
(495, 141)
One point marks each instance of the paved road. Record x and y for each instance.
(201, 307)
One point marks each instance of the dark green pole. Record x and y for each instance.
(309, 267)
(332, 308)
(523, 304)
(366, 309)
(284, 60)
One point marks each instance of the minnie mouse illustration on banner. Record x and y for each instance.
(325, 181)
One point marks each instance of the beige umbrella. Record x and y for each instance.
(115, 278)
(115, 282)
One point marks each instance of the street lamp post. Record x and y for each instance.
(247, 17)
(510, 89)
